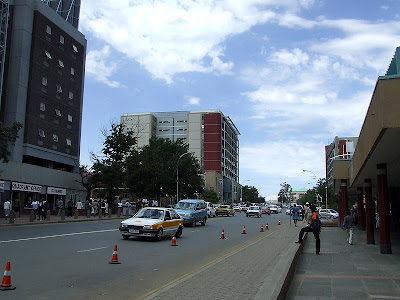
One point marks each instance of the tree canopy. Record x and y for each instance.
(8, 135)
(285, 193)
(250, 194)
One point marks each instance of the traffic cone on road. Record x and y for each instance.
(174, 241)
(6, 283)
(222, 235)
(114, 259)
(262, 228)
(266, 226)
(279, 222)
(244, 230)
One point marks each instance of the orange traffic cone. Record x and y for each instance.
(279, 222)
(6, 283)
(222, 235)
(266, 226)
(262, 228)
(244, 230)
(174, 241)
(114, 259)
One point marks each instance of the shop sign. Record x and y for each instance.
(2, 183)
(56, 191)
(16, 186)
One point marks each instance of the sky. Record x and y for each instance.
(291, 74)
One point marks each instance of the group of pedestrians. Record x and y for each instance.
(39, 209)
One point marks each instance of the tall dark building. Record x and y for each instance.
(42, 88)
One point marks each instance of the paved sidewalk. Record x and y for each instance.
(25, 220)
(344, 271)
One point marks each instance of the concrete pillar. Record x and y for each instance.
(383, 209)
(48, 214)
(31, 216)
(100, 213)
(109, 213)
(360, 209)
(369, 212)
(119, 211)
(75, 214)
(12, 217)
(63, 215)
(344, 200)
(88, 213)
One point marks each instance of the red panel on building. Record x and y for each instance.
(212, 142)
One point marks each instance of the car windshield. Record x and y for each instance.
(224, 206)
(185, 205)
(253, 207)
(333, 211)
(150, 213)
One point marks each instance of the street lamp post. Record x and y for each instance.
(177, 175)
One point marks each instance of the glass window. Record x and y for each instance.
(44, 81)
(48, 55)
(41, 133)
(167, 215)
(61, 39)
(61, 63)
(55, 137)
(71, 95)
(75, 48)
(69, 118)
(68, 142)
(72, 71)
(42, 106)
(59, 88)
(58, 112)
(48, 29)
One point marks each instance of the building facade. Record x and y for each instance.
(210, 135)
(43, 90)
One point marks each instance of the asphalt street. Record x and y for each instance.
(70, 260)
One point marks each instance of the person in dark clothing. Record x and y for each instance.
(310, 228)
(70, 206)
(43, 209)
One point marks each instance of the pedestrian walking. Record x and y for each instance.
(79, 207)
(7, 208)
(60, 205)
(87, 206)
(314, 227)
(348, 225)
(295, 214)
(103, 207)
(307, 214)
(70, 206)
(43, 209)
(35, 206)
(119, 207)
(95, 207)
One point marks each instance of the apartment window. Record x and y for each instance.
(48, 55)
(72, 71)
(48, 29)
(75, 48)
(41, 133)
(57, 112)
(55, 138)
(68, 142)
(42, 106)
(44, 81)
(69, 118)
(61, 39)
(61, 63)
(71, 95)
(59, 88)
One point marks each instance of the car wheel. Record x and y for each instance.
(233, 214)
(178, 233)
(158, 235)
(330, 217)
(203, 222)
(194, 222)
(125, 237)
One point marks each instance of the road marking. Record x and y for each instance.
(195, 231)
(173, 283)
(57, 235)
(94, 249)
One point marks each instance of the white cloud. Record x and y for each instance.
(173, 36)
(192, 100)
(98, 67)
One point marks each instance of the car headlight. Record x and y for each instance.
(124, 225)
(147, 227)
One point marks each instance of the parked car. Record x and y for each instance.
(265, 210)
(192, 211)
(210, 210)
(273, 208)
(224, 210)
(243, 208)
(331, 213)
(236, 208)
(253, 211)
(153, 222)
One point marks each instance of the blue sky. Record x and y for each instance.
(291, 74)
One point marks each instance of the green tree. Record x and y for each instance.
(109, 169)
(320, 189)
(285, 193)
(8, 135)
(210, 196)
(250, 194)
(153, 169)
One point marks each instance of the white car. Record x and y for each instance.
(210, 210)
(237, 208)
(153, 222)
(330, 213)
(243, 208)
(273, 208)
(253, 211)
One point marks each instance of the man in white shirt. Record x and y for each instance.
(7, 208)
(35, 205)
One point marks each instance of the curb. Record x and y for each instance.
(63, 222)
(292, 268)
